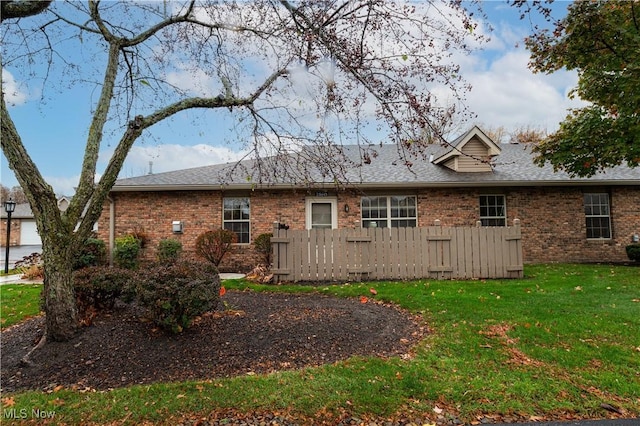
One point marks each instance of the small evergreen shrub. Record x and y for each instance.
(127, 251)
(92, 253)
(169, 250)
(213, 245)
(262, 243)
(633, 252)
(97, 287)
(176, 293)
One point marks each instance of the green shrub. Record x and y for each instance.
(98, 287)
(176, 293)
(262, 243)
(633, 252)
(92, 253)
(169, 250)
(213, 245)
(127, 251)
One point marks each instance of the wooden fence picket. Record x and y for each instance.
(397, 253)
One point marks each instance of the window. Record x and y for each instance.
(389, 212)
(493, 211)
(235, 217)
(596, 212)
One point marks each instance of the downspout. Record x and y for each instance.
(112, 227)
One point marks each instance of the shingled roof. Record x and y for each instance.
(512, 167)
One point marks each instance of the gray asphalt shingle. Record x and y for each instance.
(514, 166)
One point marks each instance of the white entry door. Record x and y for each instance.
(322, 213)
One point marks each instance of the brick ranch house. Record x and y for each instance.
(563, 219)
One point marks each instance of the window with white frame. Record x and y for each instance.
(235, 217)
(597, 215)
(493, 210)
(395, 211)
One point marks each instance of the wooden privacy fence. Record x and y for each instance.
(397, 253)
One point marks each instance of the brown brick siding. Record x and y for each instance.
(14, 238)
(552, 219)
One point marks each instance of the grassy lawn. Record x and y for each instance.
(17, 302)
(561, 341)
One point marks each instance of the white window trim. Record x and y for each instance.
(389, 218)
(237, 220)
(334, 209)
(504, 198)
(608, 216)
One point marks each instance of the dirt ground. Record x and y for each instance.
(253, 333)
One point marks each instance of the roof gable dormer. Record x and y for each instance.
(471, 152)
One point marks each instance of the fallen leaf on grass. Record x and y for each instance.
(8, 401)
(373, 291)
(58, 402)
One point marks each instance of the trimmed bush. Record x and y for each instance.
(633, 252)
(176, 293)
(97, 287)
(169, 250)
(213, 245)
(92, 253)
(262, 243)
(127, 251)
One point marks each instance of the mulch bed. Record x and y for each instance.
(254, 333)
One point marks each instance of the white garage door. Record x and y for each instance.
(29, 233)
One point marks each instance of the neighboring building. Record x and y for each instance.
(563, 219)
(24, 231)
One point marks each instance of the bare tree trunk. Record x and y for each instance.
(60, 302)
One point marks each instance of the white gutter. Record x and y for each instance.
(417, 184)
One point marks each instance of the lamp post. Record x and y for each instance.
(9, 207)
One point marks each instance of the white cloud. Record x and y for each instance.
(63, 185)
(193, 81)
(505, 92)
(13, 92)
(168, 157)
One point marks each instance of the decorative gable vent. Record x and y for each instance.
(471, 152)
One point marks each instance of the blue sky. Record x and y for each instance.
(505, 93)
